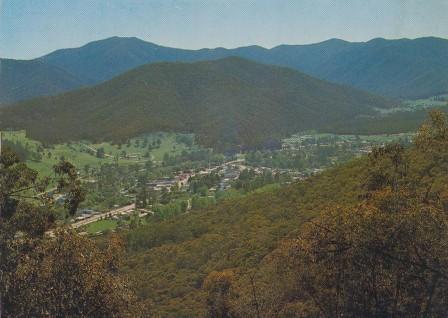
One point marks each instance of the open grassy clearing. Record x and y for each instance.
(101, 226)
(83, 154)
(109, 225)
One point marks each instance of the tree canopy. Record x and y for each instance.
(48, 272)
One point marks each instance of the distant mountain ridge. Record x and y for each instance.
(395, 68)
(21, 80)
(398, 68)
(227, 103)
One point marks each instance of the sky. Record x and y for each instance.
(32, 28)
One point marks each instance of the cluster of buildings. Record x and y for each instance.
(229, 172)
(181, 181)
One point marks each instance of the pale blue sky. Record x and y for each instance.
(30, 28)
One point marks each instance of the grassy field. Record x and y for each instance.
(107, 225)
(83, 154)
(101, 226)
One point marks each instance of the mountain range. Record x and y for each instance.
(226, 103)
(401, 68)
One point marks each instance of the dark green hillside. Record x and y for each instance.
(227, 102)
(21, 80)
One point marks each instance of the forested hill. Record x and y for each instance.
(398, 68)
(235, 234)
(333, 245)
(20, 80)
(229, 102)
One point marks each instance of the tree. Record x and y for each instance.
(86, 169)
(218, 286)
(68, 276)
(141, 200)
(54, 273)
(100, 153)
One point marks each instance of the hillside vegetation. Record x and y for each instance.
(366, 239)
(226, 103)
(170, 260)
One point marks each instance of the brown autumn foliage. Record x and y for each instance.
(387, 257)
(68, 276)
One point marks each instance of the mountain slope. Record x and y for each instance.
(226, 103)
(398, 68)
(21, 80)
(246, 241)
(234, 234)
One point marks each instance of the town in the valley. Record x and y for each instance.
(177, 189)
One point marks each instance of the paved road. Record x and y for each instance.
(97, 217)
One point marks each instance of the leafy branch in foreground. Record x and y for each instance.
(62, 275)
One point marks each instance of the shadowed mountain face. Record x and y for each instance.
(397, 68)
(226, 102)
(21, 80)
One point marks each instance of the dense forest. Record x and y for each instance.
(227, 103)
(365, 239)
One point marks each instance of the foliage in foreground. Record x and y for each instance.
(45, 273)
